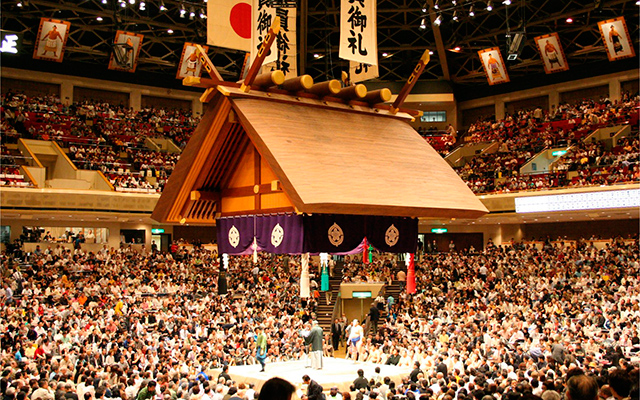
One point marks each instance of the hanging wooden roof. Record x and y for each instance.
(263, 152)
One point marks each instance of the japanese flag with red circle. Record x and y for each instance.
(229, 24)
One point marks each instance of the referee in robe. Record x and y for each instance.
(315, 339)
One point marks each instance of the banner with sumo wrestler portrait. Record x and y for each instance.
(552, 53)
(190, 64)
(52, 39)
(493, 65)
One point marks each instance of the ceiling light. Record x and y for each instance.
(454, 2)
(507, 2)
(489, 6)
(162, 6)
(385, 54)
(182, 11)
(19, 4)
(569, 20)
(455, 16)
(430, 52)
(471, 13)
(202, 14)
(436, 6)
(104, 1)
(123, 4)
(457, 48)
(192, 13)
(143, 5)
(169, 31)
(99, 19)
(423, 25)
(438, 21)
(132, 2)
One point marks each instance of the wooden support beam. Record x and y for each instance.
(406, 89)
(208, 65)
(262, 54)
(205, 195)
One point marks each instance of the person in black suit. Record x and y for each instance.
(374, 317)
(441, 367)
(361, 382)
(314, 390)
(71, 394)
(336, 333)
(416, 371)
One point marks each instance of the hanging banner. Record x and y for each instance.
(411, 273)
(552, 53)
(280, 234)
(327, 233)
(190, 64)
(52, 39)
(616, 39)
(359, 72)
(286, 45)
(493, 65)
(261, 20)
(305, 291)
(393, 234)
(235, 235)
(229, 24)
(358, 31)
(126, 49)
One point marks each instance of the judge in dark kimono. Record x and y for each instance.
(315, 339)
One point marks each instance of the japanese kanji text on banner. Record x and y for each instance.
(358, 31)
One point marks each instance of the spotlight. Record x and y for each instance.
(507, 2)
(132, 2)
(162, 6)
(457, 48)
(123, 4)
(99, 19)
(202, 14)
(430, 52)
(471, 12)
(143, 5)
(455, 16)
(424, 9)
(638, 3)
(436, 6)
(423, 25)
(569, 20)
(192, 13)
(489, 6)
(170, 31)
(438, 20)
(182, 11)
(19, 4)
(316, 55)
(385, 54)
(104, 1)
(454, 2)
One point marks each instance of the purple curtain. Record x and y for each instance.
(393, 234)
(327, 233)
(280, 234)
(235, 234)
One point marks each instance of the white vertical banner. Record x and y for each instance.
(359, 72)
(262, 18)
(304, 276)
(358, 31)
(286, 44)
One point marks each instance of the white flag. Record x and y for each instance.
(229, 24)
(358, 31)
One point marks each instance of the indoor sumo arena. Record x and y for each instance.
(354, 199)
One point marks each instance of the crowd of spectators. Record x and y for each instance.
(527, 132)
(510, 321)
(97, 132)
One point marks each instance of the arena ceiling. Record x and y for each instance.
(400, 36)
